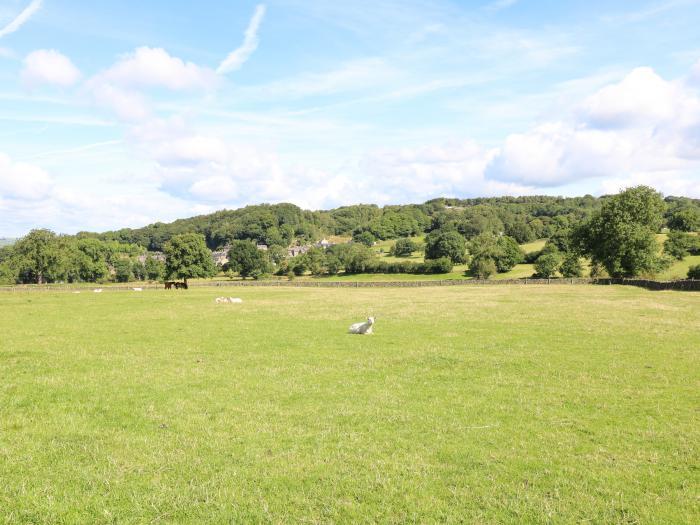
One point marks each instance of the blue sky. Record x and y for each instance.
(124, 113)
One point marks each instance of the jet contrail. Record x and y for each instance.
(18, 22)
(238, 57)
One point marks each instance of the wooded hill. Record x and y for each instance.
(522, 218)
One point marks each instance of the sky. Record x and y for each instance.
(122, 113)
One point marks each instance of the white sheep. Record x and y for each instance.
(220, 300)
(362, 328)
(97, 290)
(137, 289)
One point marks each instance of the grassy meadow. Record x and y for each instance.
(517, 404)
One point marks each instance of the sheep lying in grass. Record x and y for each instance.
(220, 300)
(362, 328)
(137, 289)
(97, 290)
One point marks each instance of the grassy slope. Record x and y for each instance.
(529, 404)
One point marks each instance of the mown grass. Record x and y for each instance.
(516, 404)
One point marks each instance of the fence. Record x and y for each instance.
(691, 285)
(686, 285)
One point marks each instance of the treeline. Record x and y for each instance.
(523, 218)
(44, 257)
(614, 234)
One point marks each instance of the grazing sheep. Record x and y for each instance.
(137, 289)
(220, 300)
(362, 328)
(97, 290)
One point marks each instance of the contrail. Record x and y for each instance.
(238, 57)
(18, 22)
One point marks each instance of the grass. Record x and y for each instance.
(518, 404)
(534, 246)
(679, 269)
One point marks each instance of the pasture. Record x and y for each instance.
(484, 404)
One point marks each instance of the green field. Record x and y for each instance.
(484, 404)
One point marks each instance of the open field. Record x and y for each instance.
(558, 404)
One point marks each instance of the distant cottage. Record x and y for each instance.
(220, 257)
(324, 243)
(158, 256)
(297, 250)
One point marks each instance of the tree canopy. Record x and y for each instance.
(245, 258)
(621, 235)
(187, 257)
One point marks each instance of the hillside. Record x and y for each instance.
(526, 219)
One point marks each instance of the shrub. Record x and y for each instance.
(483, 267)
(365, 238)
(403, 248)
(571, 266)
(441, 265)
(694, 272)
(547, 264)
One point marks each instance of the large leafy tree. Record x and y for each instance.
(246, 259)
(404, 247)
(450, 244)
(187, 257)
(686, 219)
(39, 258)
(680, 244)
(502, 251)
(509, 255)
(620, 236)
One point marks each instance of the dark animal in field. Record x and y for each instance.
(169, 285)
(182, 286)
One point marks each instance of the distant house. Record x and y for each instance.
(297, 250)
(324, 243)
(220, 257)
(158, 256)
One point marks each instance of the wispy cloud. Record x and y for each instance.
(239, 56)
(21, 19)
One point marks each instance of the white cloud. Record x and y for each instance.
(48, 66)
(20, 180)
(641, 97)
(154, 67)
(640, 127)
(21, 19)
(240, 56)
(121, 87)
(127, 104)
